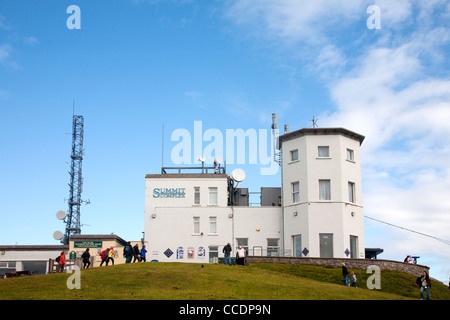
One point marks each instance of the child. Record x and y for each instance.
(353, 279)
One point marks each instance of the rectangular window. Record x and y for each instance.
(242, 242)
(351, 192)
(295, 192)
(294, 155)
(350, 155)
(273, 247)
(197, 225)
(213, 195)
(324, 190)
(212, 224)
(213, 254)
(196, 195)
(324, 152)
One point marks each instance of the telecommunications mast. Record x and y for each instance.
(76, 180)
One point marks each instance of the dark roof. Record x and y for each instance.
(34, 247)
(321, 131)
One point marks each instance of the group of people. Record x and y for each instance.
(130, 252)
(107, 256)
(240, 255)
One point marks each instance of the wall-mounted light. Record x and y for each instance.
(258, 229)
(154, 215)
(295, 213)
(353, 214)
(230, 215)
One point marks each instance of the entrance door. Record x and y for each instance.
(326, 245)
(297, 245)
(353, 247)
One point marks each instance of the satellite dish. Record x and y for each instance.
(58, 235)
(61, 215)
(217, 160)
(238, 175)
(201, 158)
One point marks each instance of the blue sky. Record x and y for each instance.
(138, 64)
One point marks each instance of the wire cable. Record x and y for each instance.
(447, 242)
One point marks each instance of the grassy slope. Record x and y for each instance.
(182, 281)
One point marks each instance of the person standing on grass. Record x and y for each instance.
(425, 285)
(143, 252)
(226, 254)
(345, 278)
(136, 253)
(240, 256)
(128, 252)
(353, 279)
(62, 261)
(86, 256)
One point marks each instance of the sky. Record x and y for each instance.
(139, 70)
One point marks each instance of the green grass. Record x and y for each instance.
(184, 281)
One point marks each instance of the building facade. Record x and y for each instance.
(191, 217)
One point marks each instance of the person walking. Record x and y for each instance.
(62, 262)
(136, 253)
(86, 259)
(425, 285)
(345, 278)
(226, 254)
(143, 252)
(104, 256)
(353, 279)
(110, 256)
(240, 256)
(128, 252)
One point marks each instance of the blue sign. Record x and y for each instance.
(169, 193)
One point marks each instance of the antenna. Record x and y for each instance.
(314, 122)
(276, 154)
(162, 146)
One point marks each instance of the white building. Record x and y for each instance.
(190, 217)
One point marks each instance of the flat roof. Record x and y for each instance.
(321, 131)
(98, 237)
(186, 175)
(34, 247)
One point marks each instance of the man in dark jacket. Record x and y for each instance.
(128, 252)
(86, 259)
(136, 253)
(227, 250)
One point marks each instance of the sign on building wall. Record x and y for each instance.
(169, 193)
(87, 244)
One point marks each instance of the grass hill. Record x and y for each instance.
(185, 281)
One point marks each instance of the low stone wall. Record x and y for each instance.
(415, 269)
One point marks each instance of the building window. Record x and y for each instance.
(213, 195)
(324, 190)
(196, 225)
(242, 242)
(324, 152)
(295, 192)
(273, 247)
(350, 155)
(212, 224)
(294, 155)
(213, 254)
(351, 192)
(196, 195)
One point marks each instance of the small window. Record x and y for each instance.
(213, 195)
(295, 192)
(324, 152)
(196, 195)
(294, 155)
(273, 247)
(350, 155)
(212, 224)
(351, 192)
(324, 190)
(197, 225)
